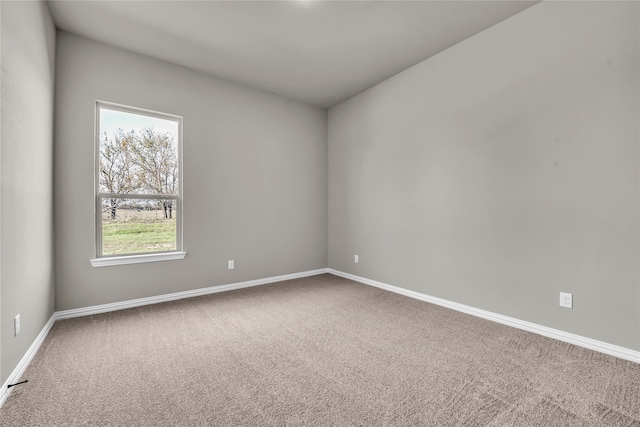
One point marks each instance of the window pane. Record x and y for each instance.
(138, 153)
(137, 225)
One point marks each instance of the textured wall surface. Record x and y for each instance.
(502, 171)
(255, 176)
(26, 270)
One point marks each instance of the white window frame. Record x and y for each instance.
(101, 260)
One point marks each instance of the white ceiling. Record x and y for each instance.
(319, 52)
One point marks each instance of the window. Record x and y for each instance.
(138, 185)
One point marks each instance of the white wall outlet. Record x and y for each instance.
(355, 259)
(566, 300)
(231, 264)
(16, 324)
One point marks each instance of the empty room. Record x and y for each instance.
(320, 213)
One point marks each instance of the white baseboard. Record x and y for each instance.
(600, 346)
(613, 350)
(87, 311)
(103, 308)
(26, 359)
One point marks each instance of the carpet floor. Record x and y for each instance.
(320, 351)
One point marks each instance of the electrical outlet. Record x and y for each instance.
(16, 324)
(231, 264)
(355, 259)
(566, 300)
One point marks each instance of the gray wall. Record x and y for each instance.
(502, 171)
(26, 229)
(255, 176)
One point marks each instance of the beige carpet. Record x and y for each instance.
(321, 351)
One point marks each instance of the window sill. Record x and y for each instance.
(136, 259)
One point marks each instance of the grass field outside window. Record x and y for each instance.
(134, 231)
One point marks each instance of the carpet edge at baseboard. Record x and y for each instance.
(26, 359)
(581, 341)
(139, 302)
(122, 305)
(600, 346)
